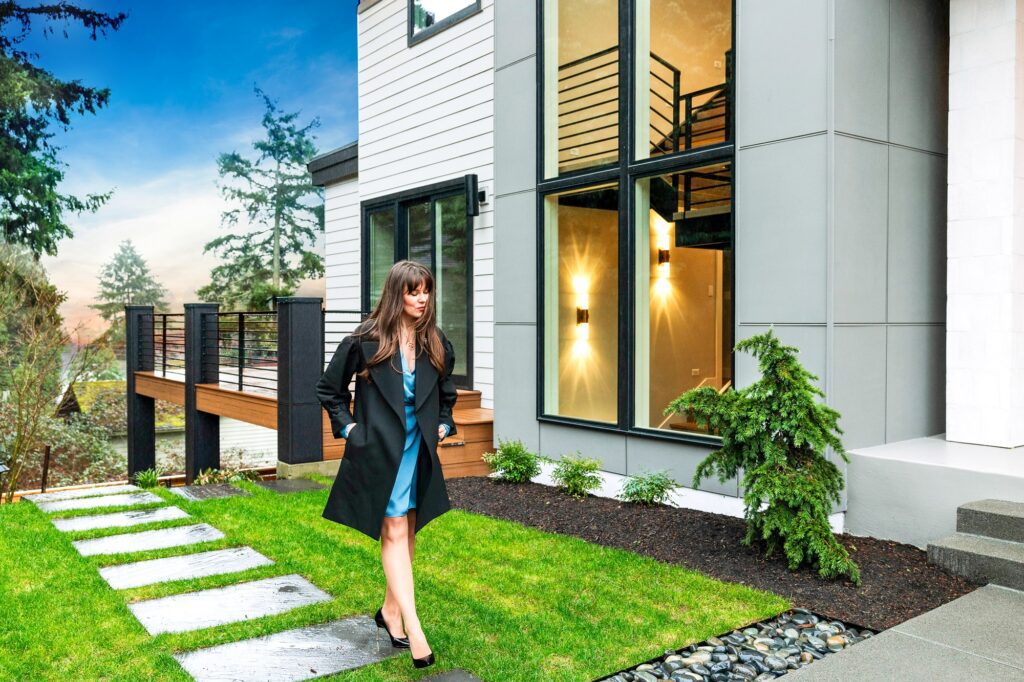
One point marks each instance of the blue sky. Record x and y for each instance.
(181, 77)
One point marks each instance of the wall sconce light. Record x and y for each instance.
(581, 283)
(661, 242)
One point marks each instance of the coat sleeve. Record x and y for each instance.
(332, 388)
(448, 393)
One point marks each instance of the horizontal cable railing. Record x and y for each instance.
(588, 86)
(337, 324)
(240, 350)
(164, 340)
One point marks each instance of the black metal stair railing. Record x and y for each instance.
(588, 111)
(588, 108)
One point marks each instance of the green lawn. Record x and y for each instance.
(500, 600)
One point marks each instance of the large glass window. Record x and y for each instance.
(581, 304)
(683, 331)
(683, 75)
(623, 365)
(581, 85)
(429, 16)
(433, 228)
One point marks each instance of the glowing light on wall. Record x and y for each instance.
(581, 285)
(661, 229)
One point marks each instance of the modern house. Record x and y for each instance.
(612, 193)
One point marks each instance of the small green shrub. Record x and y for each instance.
(576, 475)
(648, 488)
(147, 478)
(776, 433)
(513, 462)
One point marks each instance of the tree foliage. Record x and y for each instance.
(776, 433)
(32, 99)
(126, 280)
(275, 196)
(36, 367)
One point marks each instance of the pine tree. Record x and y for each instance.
(776, 433)
(31, 100)
(126, 280)
(276, 195)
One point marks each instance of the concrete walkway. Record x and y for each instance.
(979, 636)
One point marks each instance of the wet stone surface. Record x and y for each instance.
(291, 485)
(148, 539)
(196, 565)
(299, 654)
(99, 501)
(763, 651)
(83, 492)
(221, 605)
(120, 519)
(196, 493)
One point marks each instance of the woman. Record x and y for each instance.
(389, 484)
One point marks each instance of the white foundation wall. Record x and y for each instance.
(426, 114)
(985, 231)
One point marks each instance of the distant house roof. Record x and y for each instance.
(335, 166)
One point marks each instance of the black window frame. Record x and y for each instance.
(397, 202)
(626, 171)
(471, 9)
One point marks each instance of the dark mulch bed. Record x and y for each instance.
(897, 581)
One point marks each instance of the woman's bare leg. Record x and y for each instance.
(394, 550)
(392, 613)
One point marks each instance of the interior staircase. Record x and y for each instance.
(988, 545)
(460, 454)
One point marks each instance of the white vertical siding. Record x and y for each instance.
(426, 114)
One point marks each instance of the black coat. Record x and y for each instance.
(362, 488)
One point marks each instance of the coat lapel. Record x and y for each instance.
(390, 382)
(426, 375)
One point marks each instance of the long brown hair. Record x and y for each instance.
(383, 323)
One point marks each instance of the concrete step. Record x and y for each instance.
(980, 559)
(992, 518)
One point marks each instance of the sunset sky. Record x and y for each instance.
(181, 77)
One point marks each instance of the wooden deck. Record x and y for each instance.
(460, 455)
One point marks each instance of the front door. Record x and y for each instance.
(434, 229)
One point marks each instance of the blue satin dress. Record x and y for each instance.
(403, 495)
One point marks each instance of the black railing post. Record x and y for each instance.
(675, 109)
(138, 357)
(202, 429)
(299, 355)
(241, 349)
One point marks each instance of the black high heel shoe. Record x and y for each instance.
(399, 642)
(425, 661)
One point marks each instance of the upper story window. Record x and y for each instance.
(427, 17)
(581, 92)
(676, 73)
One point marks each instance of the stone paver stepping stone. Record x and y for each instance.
(122, 500)
(82, 492)
(195, 493)
(215, 562)
(291, 485)
(299, 654)
(149, 539)
(220, 605)
(120, 519)
(456, 675)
